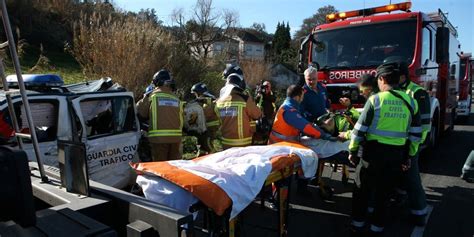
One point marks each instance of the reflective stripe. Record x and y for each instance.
(415, 130)
(165, 133)
(375, 228)
(421, 212)
(425, 116)
(356, 138)
(230, 103)
(375, 121)
(361, 127)
(285, 138)
(387, 133)
(358, 223)
(426, 127)
(414, 139)
(154, 113)
(240, 125)
(237, 142)
(213, 123)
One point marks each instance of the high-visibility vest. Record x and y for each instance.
(392, 118)
(233, 112)
(281, 130)
(166, 105)
(411, 90)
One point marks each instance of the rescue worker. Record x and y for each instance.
(390, 127)
(234, 68)
(315, 102)
(165, 114)
(289, 123)
(236, 110)
(411, 180)
(367, 87)
(207, 101)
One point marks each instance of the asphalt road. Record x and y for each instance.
(451, 200)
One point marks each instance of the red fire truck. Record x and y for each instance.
(356, 42)
(466, 70)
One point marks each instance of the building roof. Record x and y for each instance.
(247, 36)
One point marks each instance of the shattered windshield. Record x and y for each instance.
(364, 46)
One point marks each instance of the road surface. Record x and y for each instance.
(450, 199)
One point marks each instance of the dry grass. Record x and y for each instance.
(255, 71)
(125, 48)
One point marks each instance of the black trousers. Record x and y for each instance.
(377, 173)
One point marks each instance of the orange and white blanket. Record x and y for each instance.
(231, 177)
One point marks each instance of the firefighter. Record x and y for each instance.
(165, 114)
(236, 111)
(207, 101)
(234, 68)
(315, 102)
(390, 128)
(411, 180)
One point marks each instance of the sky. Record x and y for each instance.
(270, 12)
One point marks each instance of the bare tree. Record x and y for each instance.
(205, 27)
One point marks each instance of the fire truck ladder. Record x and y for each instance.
(8, 93)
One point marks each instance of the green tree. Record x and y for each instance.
(281, 38)
(317, 19)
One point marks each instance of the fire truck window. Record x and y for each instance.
(365, 46)
(107, 117)
(426, 46)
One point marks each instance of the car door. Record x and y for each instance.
(45, 113)
(110, 133)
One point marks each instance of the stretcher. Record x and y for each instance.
(225, 197)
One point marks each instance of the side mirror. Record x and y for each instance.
(442, 45)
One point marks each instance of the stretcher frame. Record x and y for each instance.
(283, 201)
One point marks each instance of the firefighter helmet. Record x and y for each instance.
(162, 77)
(231, 68)
(237, 80)
(199, 88)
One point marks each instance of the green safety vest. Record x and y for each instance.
(392, 118)
(154, 130)
(411, 90)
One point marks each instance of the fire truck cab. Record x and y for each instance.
(356, 42)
